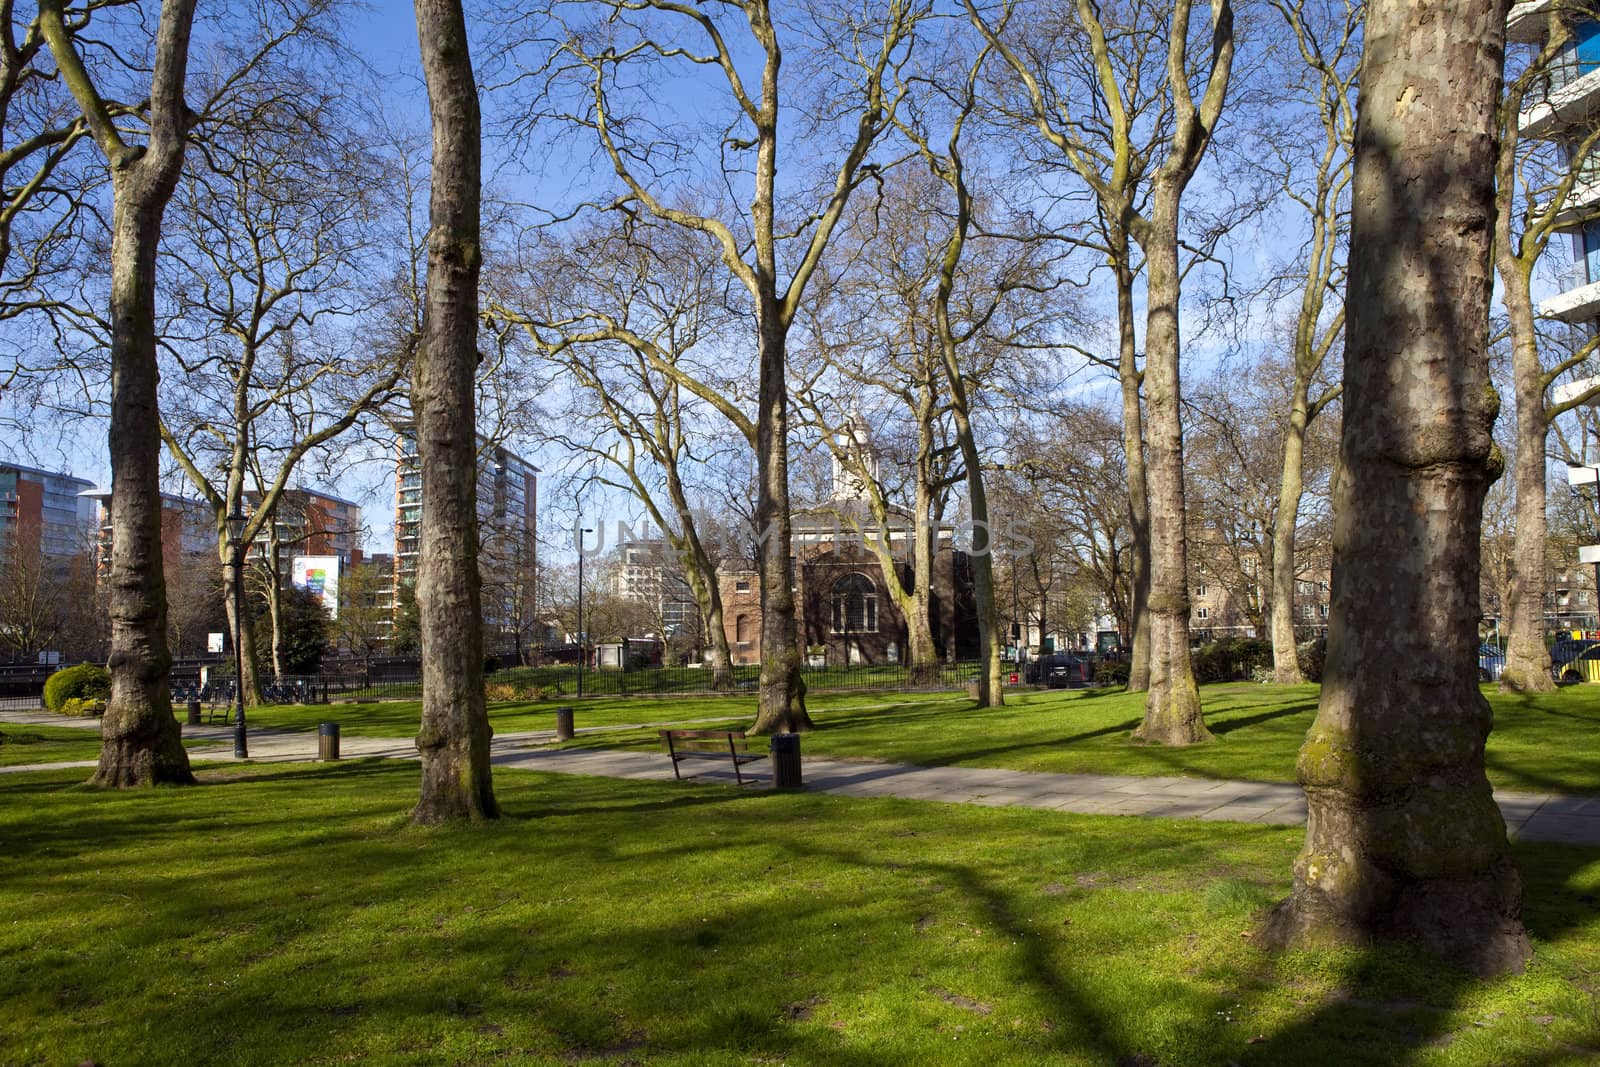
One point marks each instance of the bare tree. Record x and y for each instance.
(1403, 838)
(752, 242)
(1123, 78)
(619, 315)
(269, 242)
(1326, 34)
(1534, 186)
(454, 738)
(140, 742)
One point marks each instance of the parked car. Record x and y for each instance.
(1491, 663)
(1061, 670)
(1584, 666)
(1567, 654)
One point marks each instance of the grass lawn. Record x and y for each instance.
(1539, 744)
(285, 914)
(46, 744)
(400, 718)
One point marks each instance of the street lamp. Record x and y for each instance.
(581, 657)
(235, 523)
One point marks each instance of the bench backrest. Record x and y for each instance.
(705, 740)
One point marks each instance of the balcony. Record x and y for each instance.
(1578, 304)
(1568, 103)
(1526, 22)
(1581, 202)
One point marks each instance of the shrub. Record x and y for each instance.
(83, 681)
(1311, 654)
(1230, 660)
(1111, 672)
(84, 708)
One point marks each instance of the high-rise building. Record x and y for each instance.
(44, 511)
(187, 529)
(508, 496)
(309, 522)
(649, 572)
(1567, 112)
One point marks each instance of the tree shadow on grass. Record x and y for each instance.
(1228, 726)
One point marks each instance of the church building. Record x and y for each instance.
(844, 610)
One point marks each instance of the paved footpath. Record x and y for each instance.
(1571, 820)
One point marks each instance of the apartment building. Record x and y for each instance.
(44, 511)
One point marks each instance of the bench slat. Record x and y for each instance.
(731, 745)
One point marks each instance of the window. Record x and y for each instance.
(1202, 613)
(855, 605)
(1322, 609)
(741, 629)
(1310, 611)
(742, 585)
(1200, 590)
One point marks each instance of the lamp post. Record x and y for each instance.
(236, 523)
(581, 656)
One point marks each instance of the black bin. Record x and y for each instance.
(194, 713)
(564, 730)
(786, 761)
(327, 740)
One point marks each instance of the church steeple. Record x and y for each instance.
(856, 442)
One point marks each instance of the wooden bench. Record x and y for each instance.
(731, 745)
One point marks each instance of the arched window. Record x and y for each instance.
(741, 629)
(855, 605)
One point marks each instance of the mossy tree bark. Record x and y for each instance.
(139, 736)
(455, 733)
(1131, 380)
(1404, 839)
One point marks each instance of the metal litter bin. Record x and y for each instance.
(564, 730)
(327, 741)
(786, 761)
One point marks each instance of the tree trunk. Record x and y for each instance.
(1527, 668)
(243, 630)
(1172, 706)
(1403, 838)
(1138, 489)
(1291, 486)
(990, 692)
(922, 655)
(139, 736)
(454, 738)
(782, 701)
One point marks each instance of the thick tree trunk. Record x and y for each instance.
(1172, 706)
(1404, 839)
(922, 655)
(782, 701)
(454, 738)
(139, 736)
(1527, 667)
(1291, 486)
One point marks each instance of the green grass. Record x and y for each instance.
(1259, 731)
(21, 745)
(401, 718)
(287, 914)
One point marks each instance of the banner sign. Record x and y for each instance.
(319, 576)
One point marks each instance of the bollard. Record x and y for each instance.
(194, 713)
(786, 761)
(327, 741)
(564, 730)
